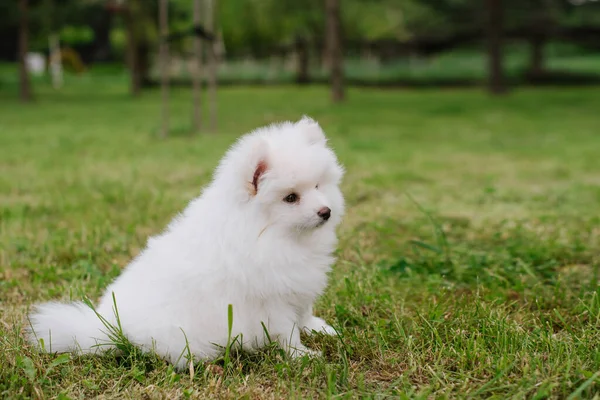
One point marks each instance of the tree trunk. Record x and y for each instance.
(537, 55)
(24, 81)
(102, 29)
(164, 64)
(197, 73)
(302, 74)
(541, 25)
(325, 56)
(132, 56)
(55, 61)
(336, 56)
(143, 64)
(496, 82)
(212, 65)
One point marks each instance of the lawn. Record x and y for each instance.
(468, 260)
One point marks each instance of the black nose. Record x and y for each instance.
(324, 213)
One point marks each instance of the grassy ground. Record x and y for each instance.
(468, 262)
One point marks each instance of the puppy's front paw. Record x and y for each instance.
(300, 351)
(316, 324)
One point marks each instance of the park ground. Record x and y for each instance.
(468, 259)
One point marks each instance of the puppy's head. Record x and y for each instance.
(294, 177)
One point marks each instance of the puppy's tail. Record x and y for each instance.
(62, 328)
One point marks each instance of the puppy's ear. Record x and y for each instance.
(258, 165)
(311, 130)
(259, 171)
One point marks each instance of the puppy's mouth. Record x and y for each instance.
(308, 227)
(321, 223)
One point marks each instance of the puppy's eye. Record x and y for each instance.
(317, 186)
(291, 198)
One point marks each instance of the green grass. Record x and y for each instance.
(468, 261)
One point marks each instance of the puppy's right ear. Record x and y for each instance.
(311, 130)
(258, 165)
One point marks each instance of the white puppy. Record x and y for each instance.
(260, 237)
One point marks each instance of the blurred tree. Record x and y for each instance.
(494, 34)
(334, 48)
(141, 30)
(55, 59)
(302, 23)
(163, 18)
(579, 21)
(540, 24)
(385, 19)
(71, 22)
(534, 21)
(24, 79)
(273, 24)
(211, 23)
(197, 74)
(137, 49)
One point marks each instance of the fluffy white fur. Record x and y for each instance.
(239, 243)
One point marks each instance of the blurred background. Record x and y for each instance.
(380, 43)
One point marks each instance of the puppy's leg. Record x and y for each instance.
(286, 331)
(310, 324)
